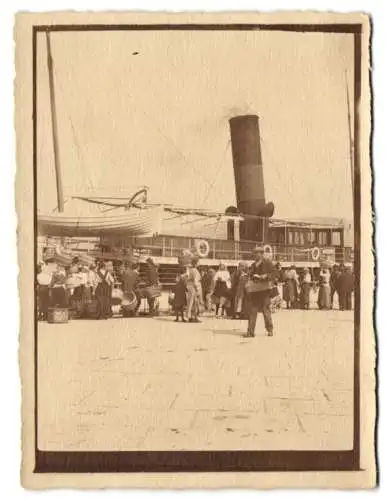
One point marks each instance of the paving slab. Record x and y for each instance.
(153, 384)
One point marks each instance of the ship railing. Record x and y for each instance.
(170, 247)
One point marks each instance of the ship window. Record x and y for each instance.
(276, 235)
(296, 238)
(312, 237)
(336, 239)
(322, 238)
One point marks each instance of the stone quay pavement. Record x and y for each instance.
(153, 384)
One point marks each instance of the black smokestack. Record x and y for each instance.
(247, 163)
(248, 171)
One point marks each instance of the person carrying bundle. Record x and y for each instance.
(194, 291)
(130, 282)
(258, 288)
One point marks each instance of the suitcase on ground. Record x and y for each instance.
(57, 315)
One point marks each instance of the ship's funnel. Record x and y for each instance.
(248, 171)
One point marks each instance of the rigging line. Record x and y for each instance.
(203, 217)
(173, 218)
(215, 177)
(351, 142)
(79, 154)
(89, 180)
(96, 202)
(217, 225)
(127, 198)
(212, 224)
(171, 141)
(110, 209)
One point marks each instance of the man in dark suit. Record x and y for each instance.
(346, 287)
(262, 273)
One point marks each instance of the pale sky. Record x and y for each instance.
(160, 118)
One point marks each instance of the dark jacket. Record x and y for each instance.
(265, 267)
(346, 282)
(152, 274)
(180, 291)
(334, 279)
(130, 279)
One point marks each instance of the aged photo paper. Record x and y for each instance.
(195, 250)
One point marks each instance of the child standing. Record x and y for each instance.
(180, 292)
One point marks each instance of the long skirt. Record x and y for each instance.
(80, 300)
(192, 311)
(305, 295)
(239, 299)
(43, 301)
(290, 293)
(221, 290)
(324, 297)
(103, 294)
(59, 297)
(180, 300)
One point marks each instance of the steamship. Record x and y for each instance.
(134, 227)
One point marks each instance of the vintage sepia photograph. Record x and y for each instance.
(197, 244)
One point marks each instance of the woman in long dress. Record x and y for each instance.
(74, 291)
(103, 291)
(194, 292)
(324, 298)
(305, 288)
(44, 279)
(290, 290)
(222, 280)
(239, 279)
(58, 288)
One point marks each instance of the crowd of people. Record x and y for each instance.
(262, 287)
(331, 281)
(93, 290)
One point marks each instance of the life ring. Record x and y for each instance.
(202, 248)
(268, 249)
(315, 253)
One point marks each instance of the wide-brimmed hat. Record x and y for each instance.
(258, 249)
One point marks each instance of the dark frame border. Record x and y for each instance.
(211, 461)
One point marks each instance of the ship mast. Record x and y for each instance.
(351, 142)
(59, 186)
